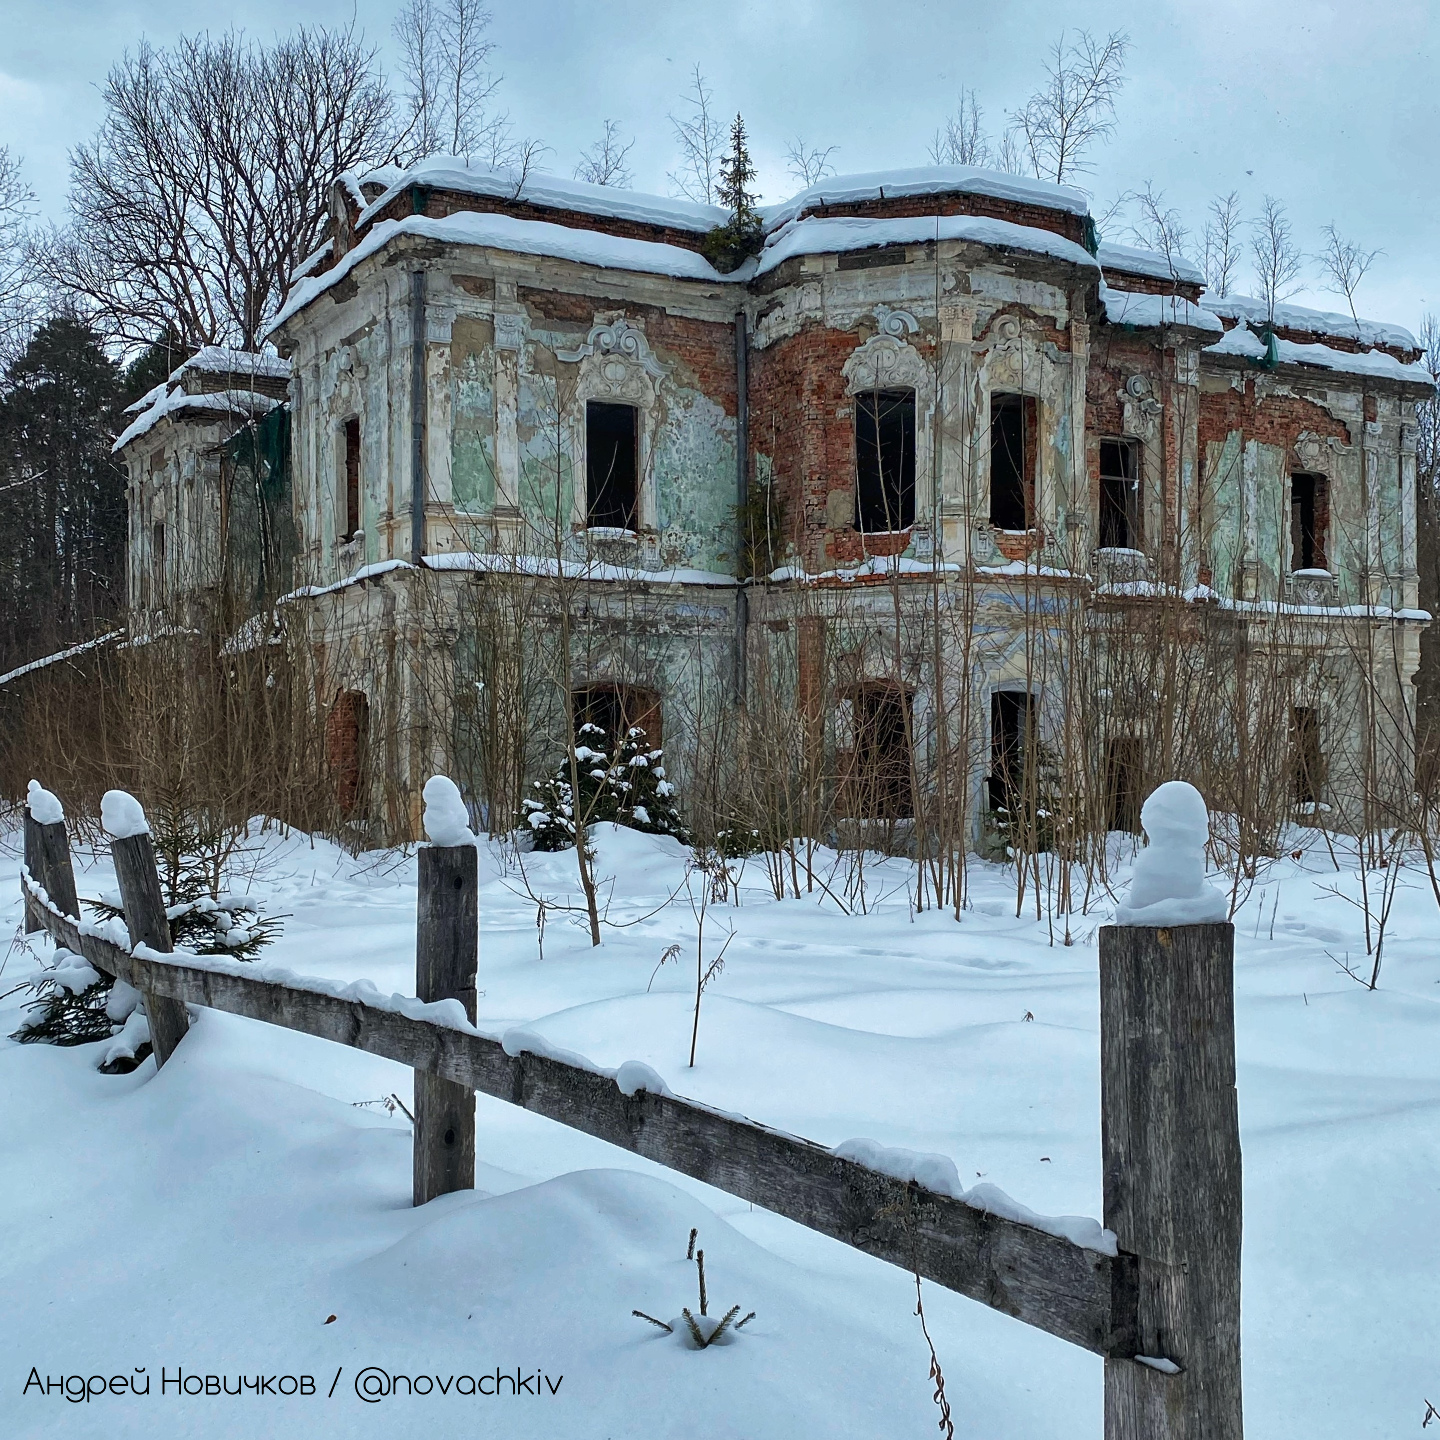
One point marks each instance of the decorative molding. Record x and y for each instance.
(896, 323)
(509, 330)
(620, 339)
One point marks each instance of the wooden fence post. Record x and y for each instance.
(47, 858)
(145, 919)
(447, 946)
(1171, 1140)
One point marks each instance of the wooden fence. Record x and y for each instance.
(1164, 1311)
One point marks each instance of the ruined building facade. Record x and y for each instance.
(910, 461)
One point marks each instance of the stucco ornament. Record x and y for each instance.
(887, 359)
(621, 340)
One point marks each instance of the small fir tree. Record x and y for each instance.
(741, 236)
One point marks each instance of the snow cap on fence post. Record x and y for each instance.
(44, 808)
(446, 820)
(1168, 885)
(121, 815)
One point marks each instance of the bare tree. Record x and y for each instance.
(604, 162)
(209, 180)
(700, 135)
(1075, 107)
(809, 165)
(1344, 264)
(1221, 255)
(1276, 256)
(16, 211)
(1160, 228)
(962, 140)
(444, 54)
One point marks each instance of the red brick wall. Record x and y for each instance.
(1039, 217)
(1274, 420)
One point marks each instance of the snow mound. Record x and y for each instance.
(44, 808)
(1168, 886)
(121, 815)
(447, 822)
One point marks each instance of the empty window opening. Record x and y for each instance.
(1306, 759)
(1309, 517)
(1123, 781)
(350, 444)
(1010, 738)
(1012, 461)
(1119, 494)
(157, 558)
(884, 460)
(877, 776)
(347, 741)
(616, 710)
(611, 468)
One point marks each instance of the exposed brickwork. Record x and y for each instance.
(1151, 284)
(1273, 420)
(704, 350)
(439, 203)
(1038, 217)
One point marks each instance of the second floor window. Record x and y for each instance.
(157, 559)
(1013, 437)
(1119, 495)
(1309, 520)
(884, 460)
(611, 465)
(350, 443)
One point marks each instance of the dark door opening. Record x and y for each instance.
(884, 460)
(1010, 737)
(611, 465)
(1123, 781)
(879, 779)
(1307, 762)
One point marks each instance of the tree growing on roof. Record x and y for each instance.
(809, 164)
(1221, 253)
(1074, 108)
(605, 162)
(701, 139)
(743, 234)
(1343, 265)
(1276, 257)
(209, 180)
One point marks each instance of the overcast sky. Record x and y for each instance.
(1334, 108)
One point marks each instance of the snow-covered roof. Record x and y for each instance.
(521, 237)
(1133, 261)
(308, 264)
(818, 236)
(221, 360)
(1151, 312)
(222, 402)
(1319, 322)
(928, 180)
(451, 172)
(147, 399)
(1242, 340)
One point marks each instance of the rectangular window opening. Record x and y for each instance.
(1013, 439)
(1010, 738)
(880, 768)
(611, 465)
(1123, 782)
(615, 710)
(1309, 520)
(157, 558)
(1306, 759)
(1119, 495)
(884, 460)
(351, 447)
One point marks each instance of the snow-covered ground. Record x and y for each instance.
(212, 1218)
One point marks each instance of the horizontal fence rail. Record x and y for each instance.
(1080, 1295)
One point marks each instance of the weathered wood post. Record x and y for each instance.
(1171, 1139)
(47, 857)
(145, 919)
(447, 952)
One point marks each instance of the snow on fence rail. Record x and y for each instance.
(1162, 1305)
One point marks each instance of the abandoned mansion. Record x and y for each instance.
(937, 472)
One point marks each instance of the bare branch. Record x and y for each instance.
(603, 163)
(701, 138)
(444, 53)
(1160, 228)
(1276, 256)
(1075, 107)
(962, 140)
(1344, 264)
(809, 165)
(1222, 243)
